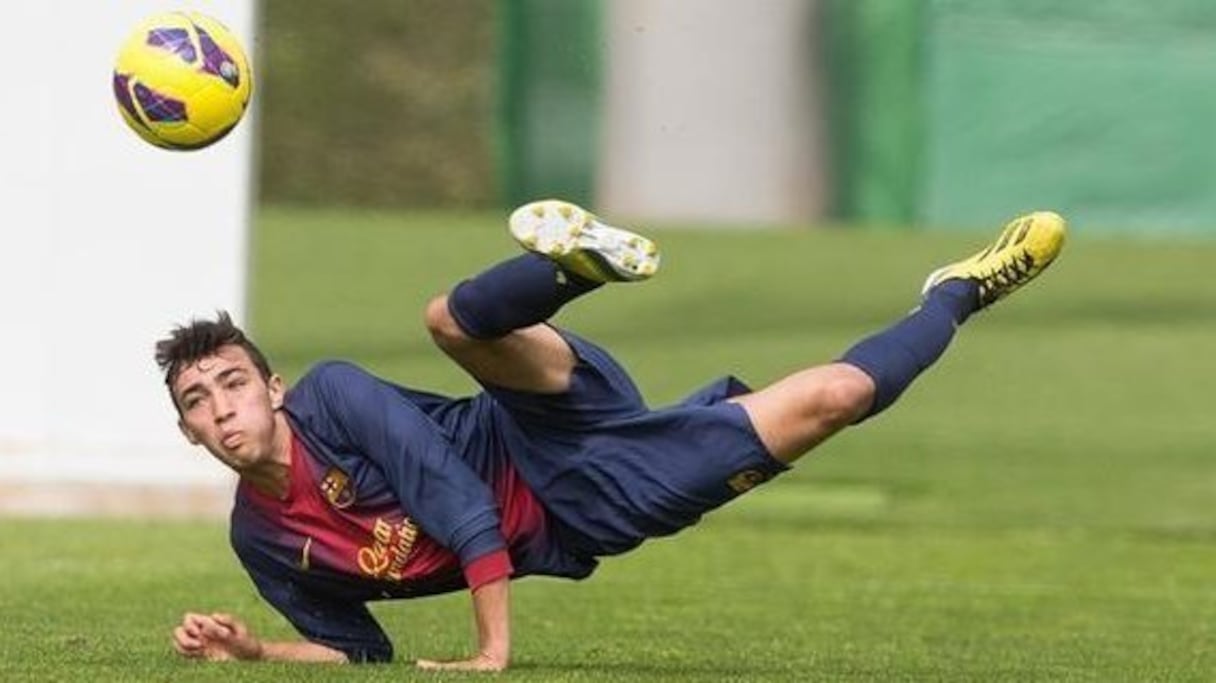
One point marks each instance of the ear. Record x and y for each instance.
(187, 433)
(277, 391)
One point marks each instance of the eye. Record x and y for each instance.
(191, 402)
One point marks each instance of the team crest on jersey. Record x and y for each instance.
(746, 480)
(337, 489)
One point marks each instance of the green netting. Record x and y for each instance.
(1102, 110)
(872, 53)
(549, 98)
(964, 112)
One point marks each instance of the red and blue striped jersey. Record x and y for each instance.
(387, 500)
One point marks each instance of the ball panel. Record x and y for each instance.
(175, 41)
(157, 107)
(122, 93)
(227, 42)
(216, 61)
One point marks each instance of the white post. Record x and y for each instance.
(712, 112)
(105, 243)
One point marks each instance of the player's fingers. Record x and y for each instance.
(186, 651)
(475, 664)
(184, 643)
(215, 631)
(182, 636)
(229, 622)
(193, 622)
(205, 625)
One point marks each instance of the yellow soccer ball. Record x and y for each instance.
(182, 80)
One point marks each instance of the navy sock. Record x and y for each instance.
(898, 354)
(516, 293)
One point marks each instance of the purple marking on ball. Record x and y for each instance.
(157, 107)
(216, 61)
(175, 40)
(122, 93)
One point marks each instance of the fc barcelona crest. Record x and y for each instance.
(337, 489)
(747, 480)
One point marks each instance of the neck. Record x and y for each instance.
(273, 476)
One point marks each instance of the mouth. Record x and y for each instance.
(231, 441)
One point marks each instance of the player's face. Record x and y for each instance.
(228, 408)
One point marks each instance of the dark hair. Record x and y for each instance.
(188, 344)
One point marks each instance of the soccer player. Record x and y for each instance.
(354, 489)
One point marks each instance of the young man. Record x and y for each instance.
(355, 489)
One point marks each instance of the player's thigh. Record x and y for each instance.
(533, 358)
(598, 389)
(799, 412)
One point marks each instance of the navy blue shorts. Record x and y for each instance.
(615, 472)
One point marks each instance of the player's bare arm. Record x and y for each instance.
(491, 608)
(221, 637)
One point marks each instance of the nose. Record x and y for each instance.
(222, 407)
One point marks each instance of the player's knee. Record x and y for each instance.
(843, 398)
(443, 327)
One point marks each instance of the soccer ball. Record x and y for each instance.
(182, 80)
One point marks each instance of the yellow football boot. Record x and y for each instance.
(582, 244)
(1025, 248)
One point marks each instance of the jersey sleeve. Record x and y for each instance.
(342, 623)
(434, 486)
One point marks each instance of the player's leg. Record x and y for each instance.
(491, 325)
(797, 413)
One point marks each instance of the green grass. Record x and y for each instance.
(1037, 508)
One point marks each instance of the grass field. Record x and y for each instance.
(1039, 506)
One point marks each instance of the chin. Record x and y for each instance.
(235, 458)
(244, 457)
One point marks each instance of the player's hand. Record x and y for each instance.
(215, 637)
(491, 602)
(482, 662)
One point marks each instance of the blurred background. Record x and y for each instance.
(378, 121)
(943, 113)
